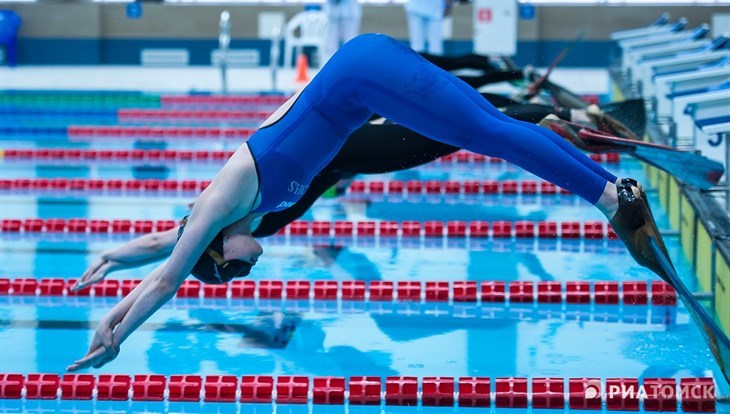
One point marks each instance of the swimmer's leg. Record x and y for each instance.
(377, 149)
(434, 103)
(491, 78)
(534, 113)
(470, 61)
(569, 148)
(498, 100)
(362, 79)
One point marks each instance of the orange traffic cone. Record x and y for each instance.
(302, 74)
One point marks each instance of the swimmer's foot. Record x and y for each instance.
(530, 73)
(564, 129)
(585, 138)
(609, 125)
(480, 62)
(580, 116)
(634, 224)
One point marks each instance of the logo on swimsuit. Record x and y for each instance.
(296, 188)
(285, 204)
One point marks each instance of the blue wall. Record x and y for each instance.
(127, 51)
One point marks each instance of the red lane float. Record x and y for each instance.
(463, 156)
(256, 389)
(156, 132)
(41, 386)
(35, 185)
(113, 387)
(548, 393)
(79, 226)
(453, 229)
(129, 114)
(474, 392)
(618, 394)
(661, 394)
(365, 390)
(212, 100)
(401, 391)
(149, 387)
(77, 387)
(134, 155)
(438, 391)
(453, 187)
(614, 400)
(169, 155)
(602, 293)
(185, 388)
(328, 390)
(585, 393)
(383, 229)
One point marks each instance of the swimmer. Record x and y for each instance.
(489, 72)
(273, 169)
(374, 148)
(515, 107)
(471, 61)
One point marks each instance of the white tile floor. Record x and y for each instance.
(208, 79)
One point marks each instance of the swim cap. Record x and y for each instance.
(212, 268)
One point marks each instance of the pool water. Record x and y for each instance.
(340, 338)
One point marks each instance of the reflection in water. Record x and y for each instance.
(360, 267)
(350, 338)
(266, 330)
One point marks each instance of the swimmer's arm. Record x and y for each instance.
(120, 310)
(216, 208)
(144, 249)
(199, 232)
(243, 226)
(158, 288)
(101, 349)
(138, 252)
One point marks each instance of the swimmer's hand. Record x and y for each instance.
(95, 273)
(102, 350)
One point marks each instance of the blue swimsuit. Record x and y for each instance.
(376, 74)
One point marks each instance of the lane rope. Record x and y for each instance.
(650, 394)
(654, 292)
(356, 188)
(342, 228)
(171, 155)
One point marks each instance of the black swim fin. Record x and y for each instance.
(690, 167)
(631, 113)
(717, 341)
(563, 97)
(539, 82)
